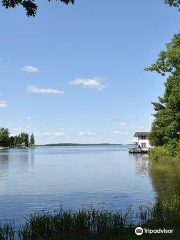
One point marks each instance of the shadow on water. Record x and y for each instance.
(165, 178)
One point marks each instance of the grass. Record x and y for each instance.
(94, 224)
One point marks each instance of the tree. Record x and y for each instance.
(166, 126)
(11, 141)
(173, 3)
(29, 5)
(32, 140)
(21, 140)
(4, 137)
(17, 141)
(24, 139)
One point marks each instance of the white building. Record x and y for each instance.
(141, 140)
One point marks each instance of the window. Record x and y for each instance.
(143, 145)
(143, 137)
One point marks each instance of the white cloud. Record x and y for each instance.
(142, 127)
(28, 119)
(30, 69)
(82, 134)
(119, 133)
(17, 129)
(91, 133)
(89, 83)
(59, 134)
(116, 132)
(3, 104)
(45, 134)
(0, 58)
(36, 90)
(123, 123)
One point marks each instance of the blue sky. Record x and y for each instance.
(75, 73)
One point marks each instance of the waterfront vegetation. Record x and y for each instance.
(165, 177)
(21, 140)
(165, 131)
(161, 153)
(31, 6)
(98, 224)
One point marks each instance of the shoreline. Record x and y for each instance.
(95, 224)
(6, 148)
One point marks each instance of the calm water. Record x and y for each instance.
(46, 177)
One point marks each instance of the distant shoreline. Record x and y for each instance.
(82, 144)
(69, 145)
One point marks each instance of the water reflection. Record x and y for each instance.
(165, 178)
(16, 158)
(13, 162)
(141, 164)
(4, 164)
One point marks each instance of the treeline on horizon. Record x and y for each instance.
(21, 140)
(82, 144)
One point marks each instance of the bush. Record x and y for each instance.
(158, 153)
(178, 149)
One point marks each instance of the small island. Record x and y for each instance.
(23, 140)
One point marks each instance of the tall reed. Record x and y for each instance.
(89, 222)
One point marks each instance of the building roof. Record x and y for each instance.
(140, 134)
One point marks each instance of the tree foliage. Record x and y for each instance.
(166, 126)
(30, 6)
(21, 140)
(4, 137)
(173, 3)
(32, 140)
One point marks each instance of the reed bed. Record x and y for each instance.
(89, 222)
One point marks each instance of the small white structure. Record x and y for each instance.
(141, 140)
(142, 143)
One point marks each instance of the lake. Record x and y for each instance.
(43, 178)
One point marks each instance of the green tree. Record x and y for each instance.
(17, 141)
(4, 137)
(173, 3)
(166, 126)
(29, 5)
(24, 139)
(32, 140)
(11, 141)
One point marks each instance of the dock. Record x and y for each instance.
(138, 150)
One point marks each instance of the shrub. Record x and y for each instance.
(178, 149)
(158, 153)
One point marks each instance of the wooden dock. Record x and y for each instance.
(138, 150)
